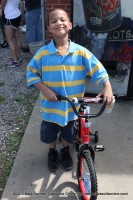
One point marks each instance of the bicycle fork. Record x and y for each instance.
(86, 147)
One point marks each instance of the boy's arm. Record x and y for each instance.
(99, 76)
(50, 94)
(106, 92)
(34, 78)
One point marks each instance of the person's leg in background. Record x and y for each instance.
(33, 26)
(38, 25)
(9, 33)
(2, 22)
(18, 45)
(12, 34)
(17, 38)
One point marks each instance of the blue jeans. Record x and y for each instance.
(49, 132)
(33, 25)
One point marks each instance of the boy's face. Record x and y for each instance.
(59, 23)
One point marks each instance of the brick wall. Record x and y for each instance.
(52, 4)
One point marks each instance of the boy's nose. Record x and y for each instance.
(58, 22)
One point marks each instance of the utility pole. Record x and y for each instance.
(43, 20)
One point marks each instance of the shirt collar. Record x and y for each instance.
(52, 49)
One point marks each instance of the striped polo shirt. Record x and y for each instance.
(64, 74)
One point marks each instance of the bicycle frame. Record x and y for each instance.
(82, 121)
(86, 172)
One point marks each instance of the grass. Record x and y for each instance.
(2, 84)
(7, 158)
(21, 100)
(2, 98)
(14, 141)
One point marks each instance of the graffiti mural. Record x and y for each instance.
(102, 15)
(114, 48)
(119, 48)
(119, 43)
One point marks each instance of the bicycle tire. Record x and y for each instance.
(87, 179)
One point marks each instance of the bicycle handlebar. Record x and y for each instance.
(85, 100)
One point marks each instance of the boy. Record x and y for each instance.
(61, 68)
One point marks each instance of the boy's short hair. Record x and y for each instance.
(48, 16)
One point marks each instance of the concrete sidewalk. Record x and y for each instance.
(31, 180)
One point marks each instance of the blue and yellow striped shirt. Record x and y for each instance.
(65, 75)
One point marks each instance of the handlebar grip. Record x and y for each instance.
(87, 100)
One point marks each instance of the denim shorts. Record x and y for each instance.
(49, 132)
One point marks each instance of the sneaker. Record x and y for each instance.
(66, 159)
(11, 63)
(26, 49)
(4, 45)
(53, 160)
(19, 60)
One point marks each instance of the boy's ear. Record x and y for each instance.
(70, 26)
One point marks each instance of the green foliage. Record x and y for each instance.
(2, 98)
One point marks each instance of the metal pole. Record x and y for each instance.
(43, 19)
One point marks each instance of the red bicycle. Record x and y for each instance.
(86, 172)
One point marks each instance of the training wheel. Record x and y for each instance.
(96, 137)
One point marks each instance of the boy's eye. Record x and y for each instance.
(53, 22)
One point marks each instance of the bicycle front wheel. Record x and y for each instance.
(87, 179)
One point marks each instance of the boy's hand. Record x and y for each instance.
(106, 92)
(50, 94)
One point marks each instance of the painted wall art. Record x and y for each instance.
(105, 27)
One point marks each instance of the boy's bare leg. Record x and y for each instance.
(64, 143)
